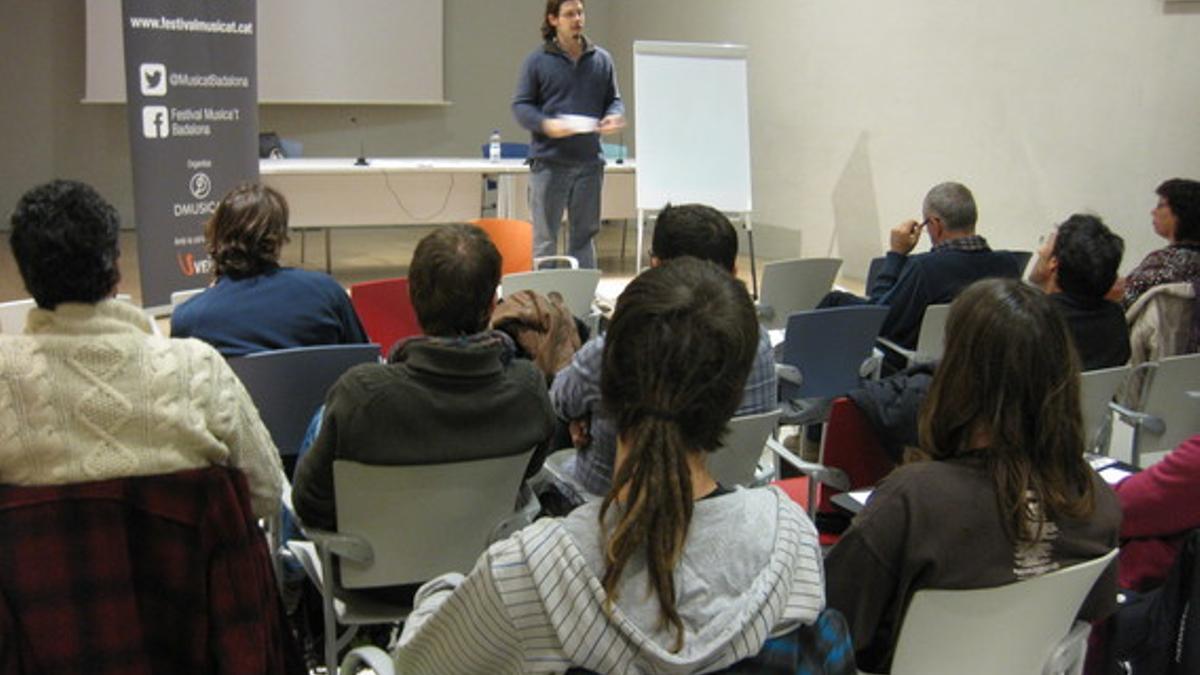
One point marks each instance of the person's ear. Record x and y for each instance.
(936, 229)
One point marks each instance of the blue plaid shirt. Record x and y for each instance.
(576, 394)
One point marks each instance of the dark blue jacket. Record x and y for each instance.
(550, 84)
(908, 284)
(280, 309)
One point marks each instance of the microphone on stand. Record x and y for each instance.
(362, 155)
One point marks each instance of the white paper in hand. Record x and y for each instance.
(580, 124)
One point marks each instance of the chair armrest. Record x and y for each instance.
(834, 478)
(1142, 374)
(341, 544)
(789, 374)
(908, 354)
(1151, 423)
(1069, 654)
(370, 656)
(571, 260)
(872, 366)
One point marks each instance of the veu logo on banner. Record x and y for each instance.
(190, 267)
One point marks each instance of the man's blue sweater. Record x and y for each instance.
(550, 85)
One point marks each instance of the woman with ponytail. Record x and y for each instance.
(671, 572)
(1007, 494)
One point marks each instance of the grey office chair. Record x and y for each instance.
(1096, 390)
(403, 525)
(790, 286)
(576, 286)
(1024, 627)
(931, 338)
(1170, 409)
(824, 352)
(288, 385)
(736, 461)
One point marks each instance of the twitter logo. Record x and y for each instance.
(154, 79)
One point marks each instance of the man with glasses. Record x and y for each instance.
(1077, 265)
(908, 283)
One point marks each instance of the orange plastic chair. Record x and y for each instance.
(514, 240)
(385, 310)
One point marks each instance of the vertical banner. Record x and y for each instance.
(192, 101)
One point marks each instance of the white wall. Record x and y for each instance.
(859, 106)
(44, 132)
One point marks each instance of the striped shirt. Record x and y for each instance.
(534, 602)
(576, 394)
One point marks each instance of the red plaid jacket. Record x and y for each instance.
(155, 574)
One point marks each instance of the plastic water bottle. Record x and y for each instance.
(494, 146)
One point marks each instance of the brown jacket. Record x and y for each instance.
(542, 326)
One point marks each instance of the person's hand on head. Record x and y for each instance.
(905, 237)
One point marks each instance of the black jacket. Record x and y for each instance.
(439, 401)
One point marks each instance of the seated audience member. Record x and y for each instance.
(254, 304)
(1007, 494)
(907, 284)
(663, 575)
(685, 230)
(1176, 219)
(1077, 266)
(90, 393)
(1159, 507)
(455, 393)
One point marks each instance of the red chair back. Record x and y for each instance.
(385, 310)
(850, 444)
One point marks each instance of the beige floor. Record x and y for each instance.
(369, 253)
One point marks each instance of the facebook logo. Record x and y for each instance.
(154, 121)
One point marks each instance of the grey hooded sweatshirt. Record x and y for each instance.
(534, 603)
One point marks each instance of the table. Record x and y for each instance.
(327, 193)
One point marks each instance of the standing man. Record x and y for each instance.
(567, 76)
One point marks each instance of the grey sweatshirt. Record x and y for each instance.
(534, 603)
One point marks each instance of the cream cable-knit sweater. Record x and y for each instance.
(88, 393)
